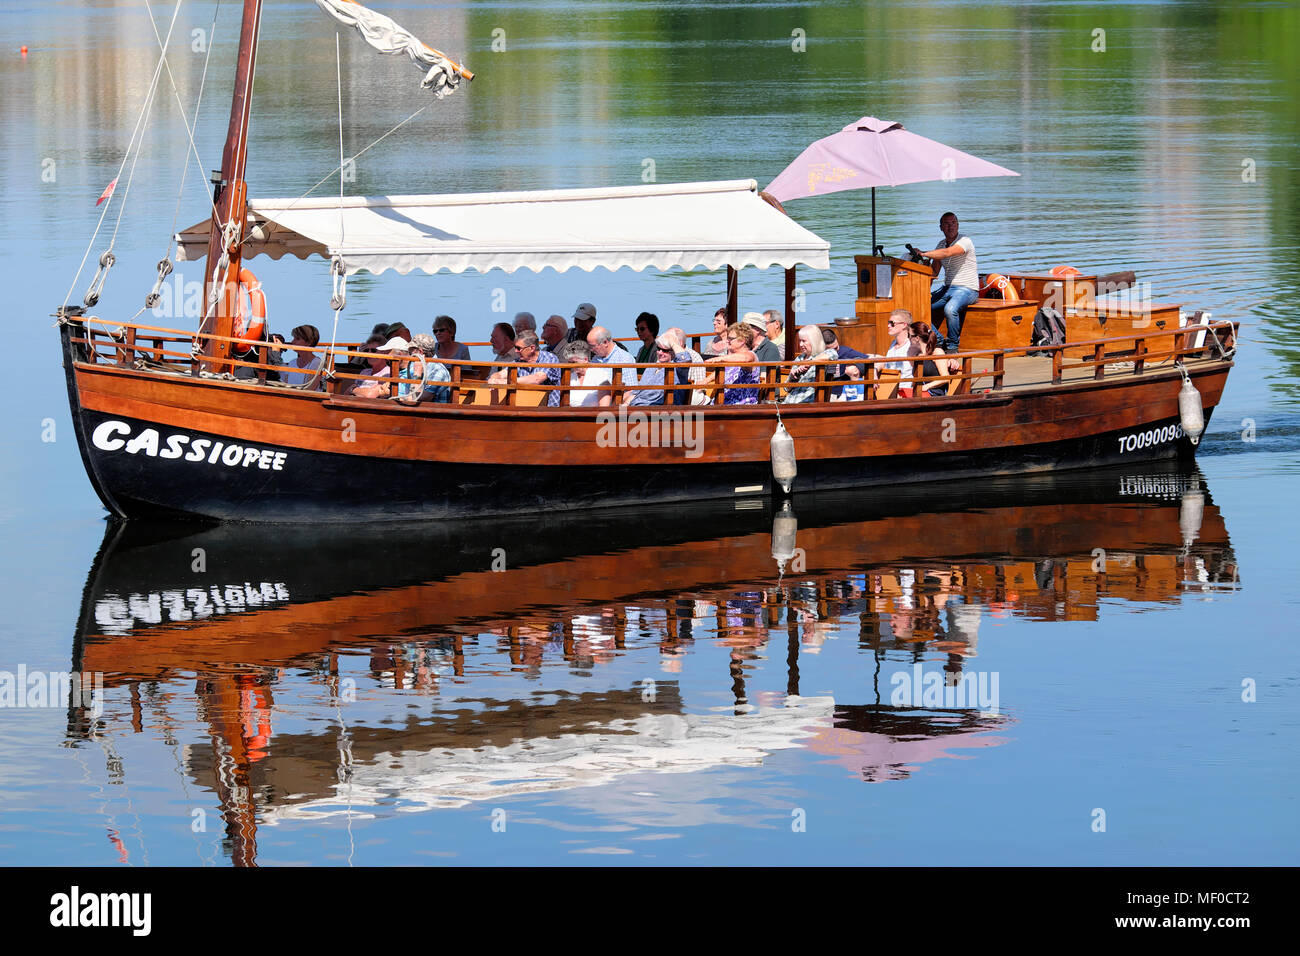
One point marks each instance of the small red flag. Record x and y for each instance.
(108, 191)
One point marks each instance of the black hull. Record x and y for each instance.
(335, 488)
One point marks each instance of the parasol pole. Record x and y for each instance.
(873, 220)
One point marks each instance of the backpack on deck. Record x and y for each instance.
(1049, 328)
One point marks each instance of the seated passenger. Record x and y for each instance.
(739, 368)
(647, 330)
(584, 317)
(583, 381)
(925, 342)
(444, 332)
(695, 375)
(718, 344)
(843, 373)
(606, 351)
(539, 367)
(652, 377)
(376, 384)
(555, 333)
(249, 353)
(524, 322)
(764, 349)
(775, 330)
(900, 323)
(503, 346)
(812, 348)
(432, 374)
(305, 364)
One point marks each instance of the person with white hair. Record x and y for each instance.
(812, 348)
(524, 322)
(584, 380)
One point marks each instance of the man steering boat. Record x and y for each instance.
(956, 253)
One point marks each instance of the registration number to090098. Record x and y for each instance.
(1152, 436)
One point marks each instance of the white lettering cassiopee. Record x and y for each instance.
(114, 435)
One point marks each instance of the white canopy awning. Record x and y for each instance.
(688, 225)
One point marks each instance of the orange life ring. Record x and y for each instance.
(1065, 272)
(249, 333)
(996, 282)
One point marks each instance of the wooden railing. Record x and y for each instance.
(152, 348)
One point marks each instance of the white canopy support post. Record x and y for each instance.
(791, 330)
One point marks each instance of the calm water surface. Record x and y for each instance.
(651, 687)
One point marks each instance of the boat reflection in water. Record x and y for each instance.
(529, 637)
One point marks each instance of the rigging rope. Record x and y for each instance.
(338, 72)
(153, 91)
(130, 145)
(339, 168)
(189, 128)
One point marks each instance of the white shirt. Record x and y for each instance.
(590, 376)
(961, 270)
(904, 368)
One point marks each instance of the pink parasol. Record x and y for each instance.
(874, 152)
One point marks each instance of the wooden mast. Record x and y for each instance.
(230, 194)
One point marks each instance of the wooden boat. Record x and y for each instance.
(165, 432)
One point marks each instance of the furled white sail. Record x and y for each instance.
(387, 37)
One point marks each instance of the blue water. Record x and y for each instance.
(1133, 706)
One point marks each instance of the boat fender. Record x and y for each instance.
(785, 527)
(250, 331)
(1190, 412)
(1065, 272)
(784, 466)
(1190, 512)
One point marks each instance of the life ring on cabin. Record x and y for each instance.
(1065, 272)
(998, 286)
(249, 332)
